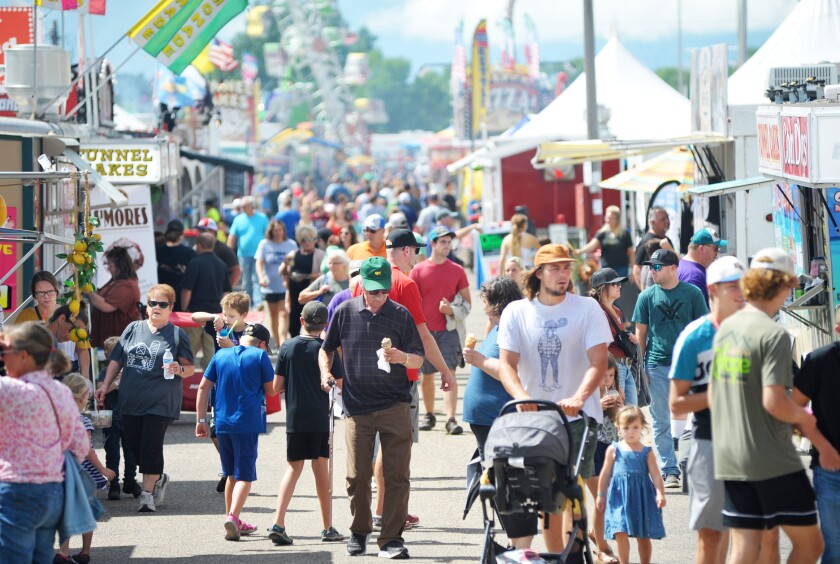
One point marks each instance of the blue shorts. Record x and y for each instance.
(238, 452)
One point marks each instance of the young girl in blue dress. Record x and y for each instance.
(630, 489)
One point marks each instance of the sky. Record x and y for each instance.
(423, 30)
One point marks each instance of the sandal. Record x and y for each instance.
(608, 551)
(603, 557)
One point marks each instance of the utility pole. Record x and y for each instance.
(680, 78)
(742, 32)
(592, 130)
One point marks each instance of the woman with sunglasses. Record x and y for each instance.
(44, 288)
(302, 267)
(606, 288)
(150, 390)
(271, 253)
(115, 303)
(40, 421)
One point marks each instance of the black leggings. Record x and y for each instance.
(144, 435)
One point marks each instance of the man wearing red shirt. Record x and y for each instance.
(440, 280)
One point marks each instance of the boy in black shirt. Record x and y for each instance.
(307, 420)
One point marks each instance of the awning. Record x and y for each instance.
(288, 136)
(732, 186)
(498, 148)
(110, 190)
(677, 165)
(563, 153)
(224, 162)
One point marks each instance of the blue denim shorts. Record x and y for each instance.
(239, 455)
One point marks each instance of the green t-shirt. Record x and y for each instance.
(666, 313)
(751, 352)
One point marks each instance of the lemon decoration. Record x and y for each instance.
(74, 306)
(74, 335)
(81, 334)
(3, 212)
(80, 246)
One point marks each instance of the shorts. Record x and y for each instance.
(414, 412)
(238, 452)
(600, 457)
(307, 446)
(450, 349)
(587, 463)
(706, 495)
(274, 298)
(784, 500)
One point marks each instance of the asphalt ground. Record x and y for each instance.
(188, 527)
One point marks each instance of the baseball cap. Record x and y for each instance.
(355, 267)
(707, 237)
(725, 269)
(443, 212)
(440, 231)
(314, 313)
(421, 244)
(606, 276)
(175, 225)
(399, 238)
(404, 198)
(376, 274)
(773, 259)
(551, 253)
(205, 223)
(258, 332)
(398, 221)
(663, 257)
(374, 222)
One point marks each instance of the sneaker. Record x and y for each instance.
(160, 489)
(147, 503)
(246, 529)
(411, 521)
(132, 487)
(80, 558)
(672, 482)
(220, 487)
(453, 428)
(114, 492)
(357, 545)
(377, 522)
(331, 535)
(278, 536)
(428, 422)
(393, 549)
(232, 528)
(61, 559)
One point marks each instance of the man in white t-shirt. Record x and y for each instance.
(553, 346)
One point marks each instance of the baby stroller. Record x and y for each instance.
(530, 467)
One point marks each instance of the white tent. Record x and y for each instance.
(808, 35)
(641, 105)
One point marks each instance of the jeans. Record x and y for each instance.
(250, 281)
(827, 487)
(29, 518)
(661, 413)
(114, 436)
(628, 384)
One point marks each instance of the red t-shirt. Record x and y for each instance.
(437, 281)
(404, 291)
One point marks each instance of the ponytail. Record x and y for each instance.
(519, 224)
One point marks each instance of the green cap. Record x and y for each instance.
(376, 274)
(421, 244)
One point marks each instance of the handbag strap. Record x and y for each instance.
(55, 413)
(612, 321)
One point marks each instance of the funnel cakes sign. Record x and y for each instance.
(146, 163)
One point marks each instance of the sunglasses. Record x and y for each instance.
(616, 284)
(378, 292)
(372, 230)
(162, 305)
(4, 352)
(658, 267)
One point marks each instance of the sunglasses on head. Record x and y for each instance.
(162, 305)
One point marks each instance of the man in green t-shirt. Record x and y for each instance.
(753, 417)
(662, 312)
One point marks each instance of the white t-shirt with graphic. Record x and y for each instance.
(552, 342)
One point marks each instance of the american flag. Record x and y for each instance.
(221, 55)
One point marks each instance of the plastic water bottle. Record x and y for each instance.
(167, 360)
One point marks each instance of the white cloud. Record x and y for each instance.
(646, 20)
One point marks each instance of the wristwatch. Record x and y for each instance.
(202, 420)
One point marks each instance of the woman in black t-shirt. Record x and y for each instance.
(614, 241)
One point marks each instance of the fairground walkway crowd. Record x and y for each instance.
(363, 298)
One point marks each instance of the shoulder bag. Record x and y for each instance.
(622, 338)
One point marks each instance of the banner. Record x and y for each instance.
(176, 31)
(480, 78)
(95, 7)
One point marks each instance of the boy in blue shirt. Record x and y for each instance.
(243, 377)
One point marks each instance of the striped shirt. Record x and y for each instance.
(100, 480)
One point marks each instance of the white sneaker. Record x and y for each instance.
(160, 489)
(147, 503)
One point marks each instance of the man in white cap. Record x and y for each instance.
(690, 374)
(374, 243)
(753, 416)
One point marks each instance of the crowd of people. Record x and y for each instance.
(364, 297)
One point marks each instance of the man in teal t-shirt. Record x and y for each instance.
(662, 312)
(246, 232)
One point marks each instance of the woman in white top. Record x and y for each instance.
(519, 243)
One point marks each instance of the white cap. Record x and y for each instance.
(725, 269)
(773, 258)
